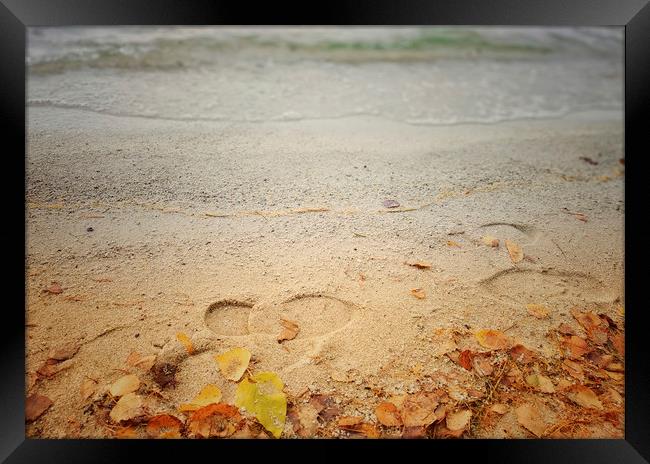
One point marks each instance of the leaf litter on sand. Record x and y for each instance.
(262, 396)
(515, 251)
(123, 385)
(304, 418)
(459, 420)
(35, 406)
(541, 383)
(388, 414)
(128, 407)
(215, 420)
(208, 395)
(289, 331)
(164, 426)
(233, 363)
(529, 417)
(418, 293)
(88, 388)
(419, 409)
(492, 339)
(185, 341)
(584, 396)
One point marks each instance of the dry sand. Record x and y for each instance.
(219, 229)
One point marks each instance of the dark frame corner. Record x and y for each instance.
(17, 15)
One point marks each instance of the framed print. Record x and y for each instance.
(359, 224)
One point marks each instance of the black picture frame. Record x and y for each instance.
(17, 15)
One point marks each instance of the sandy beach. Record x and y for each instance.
(159, 223)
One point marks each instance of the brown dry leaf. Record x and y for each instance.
(521, 354)
(515, 251)
(208, 395)
(414, 432)
(32, 378)
(483, 365)
(574, 369)
(575, 346)
(419, 409)
(304, 418)
(289, 330)
(164, 426)
(566, 329)
(465, 359)
(490, 241)
(618, 341)
(451, 243)
(52, 367)
(530, 418)
(418, 293)
(499, 408)
(541, 383)
(492, 339)
(54, 288)
(88, 388)
(459, 420)
(127, 408)
(146, 363)
(388, 414)
(539, 311)
(123, 385)
(600, 359)
(419, 265)
(596, 328)
(185, 341)
(348, 421)
(325, 406)
(35, 406)
(234, 363)
(214, 420)
(65, 351)
(584, 396)
(133, 358)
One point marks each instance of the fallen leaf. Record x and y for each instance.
(539, 311)
(515, 251)
(88, 388)
(465, 359)
(499, 408)
(574, 369)
(618, 376)
(576, 347)
(521, 354)
(234, 363)
(390, 203)
(304, 418)
(490, 241)
(368, 430)
(451, 243)
(596, 328)
(126, 432)
(325, 407)
(584, 396)
(419, 265)
(123, 385)
(459, 420)
(348, 421)
(54, 288)
(127, 408)
(615, 367)
(566, 329)
(185, 341)
(208, 395)
(541, 383)
(215, 420)
(164, 426)
(289, 330)
(146, 363)
(388, 414)
(414, 432)
(263, 397)
(492, 339)
(52, 367)
(530, 418)
(418, 293)
(600, 359)
(65, 351)
(35, 406)
(483, 365)
(133, 358)
(419, 409)
(618, 341)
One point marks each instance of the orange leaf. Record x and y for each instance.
(35, 406)
(214, 420)
(185, 340)
(164, 426)
(388, 414)
(515, 251)
(465, 359)
(289, 330)
(529, 416)
(575, 346)
(492, 339)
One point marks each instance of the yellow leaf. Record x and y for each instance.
(418, 293)
(515, 251)
(263, 397)
(539, 311)
(124, 385)
(233, 363)
(128, 407)
(492, 339)
(541, 383)
(208, 395)
(185, 340)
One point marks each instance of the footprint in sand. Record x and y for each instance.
(522, 286)
(229, 317)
